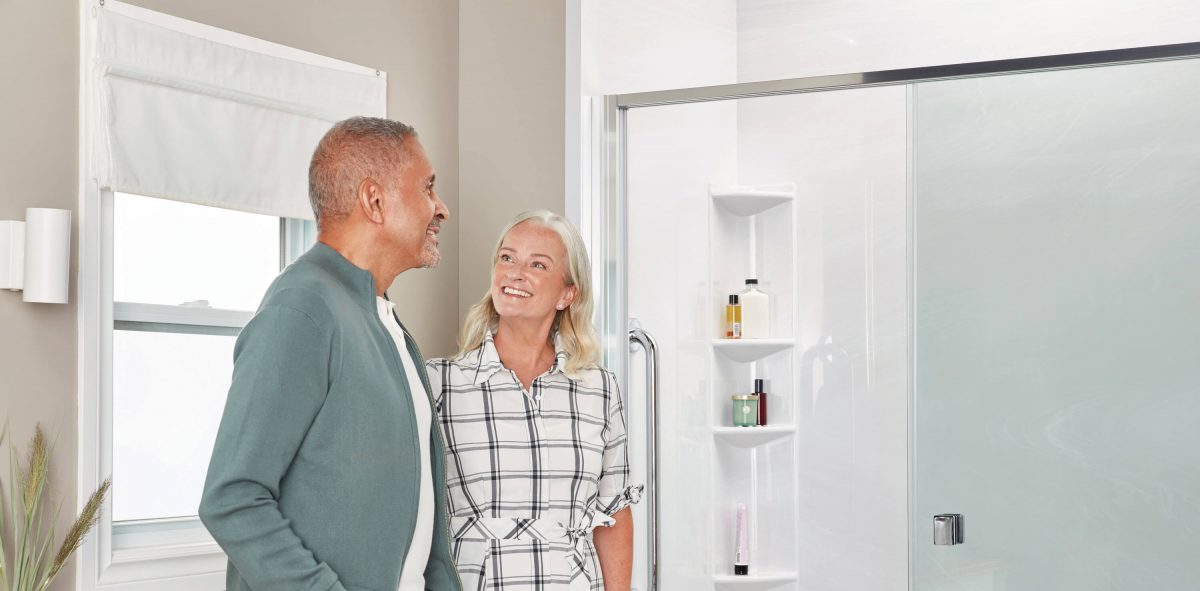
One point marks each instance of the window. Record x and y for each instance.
(186, 279)
(194, 151)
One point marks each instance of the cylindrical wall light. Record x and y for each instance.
(35, 255)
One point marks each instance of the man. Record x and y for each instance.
(327, 472)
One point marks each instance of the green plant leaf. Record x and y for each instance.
(28, 565)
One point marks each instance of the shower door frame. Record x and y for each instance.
(605, 206)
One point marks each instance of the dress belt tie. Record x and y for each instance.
(546, 529)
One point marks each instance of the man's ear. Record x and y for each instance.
(370, 199)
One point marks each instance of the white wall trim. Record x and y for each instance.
(88, 318)
(108, 560)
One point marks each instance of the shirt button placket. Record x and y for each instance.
(541, 431)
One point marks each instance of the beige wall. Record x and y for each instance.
(511, 107)
(39, 51)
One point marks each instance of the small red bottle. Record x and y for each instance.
(762, 402)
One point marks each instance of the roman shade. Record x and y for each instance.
(225, 120)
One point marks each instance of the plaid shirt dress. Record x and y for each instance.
(529, 474)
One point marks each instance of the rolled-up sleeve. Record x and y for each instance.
(614, 489)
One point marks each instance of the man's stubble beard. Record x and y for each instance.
(430, 256)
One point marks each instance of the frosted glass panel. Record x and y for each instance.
(1056, 243)
(168, 393)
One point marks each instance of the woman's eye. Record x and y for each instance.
(506, 258)
(539, 265)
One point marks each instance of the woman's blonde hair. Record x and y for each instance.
(574, 324)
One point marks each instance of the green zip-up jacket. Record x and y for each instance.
(314, 479)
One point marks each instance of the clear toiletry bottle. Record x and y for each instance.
(733, 318)
(756, 312)
(762, 401)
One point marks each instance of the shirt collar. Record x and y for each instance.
(386, 310)
(489, 362)
(384, 305)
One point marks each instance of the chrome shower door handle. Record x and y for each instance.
(640, 337)
(947, 529)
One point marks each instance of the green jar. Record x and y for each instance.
(745, 410)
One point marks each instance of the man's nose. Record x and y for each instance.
(440, 210)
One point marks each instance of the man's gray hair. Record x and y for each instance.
(352, 150)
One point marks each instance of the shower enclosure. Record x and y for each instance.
(985, 313)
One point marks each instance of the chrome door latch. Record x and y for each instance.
(947, 529)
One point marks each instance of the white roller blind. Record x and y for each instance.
(198, 114)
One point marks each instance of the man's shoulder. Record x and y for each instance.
(306, 288)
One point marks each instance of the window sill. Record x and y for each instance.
(188, 567)
(176, 554)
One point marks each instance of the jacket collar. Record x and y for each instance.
(359, 281)
(487, 360)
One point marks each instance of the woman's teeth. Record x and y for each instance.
(516, 292)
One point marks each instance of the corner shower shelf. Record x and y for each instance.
(752, 436)
(748, 200)
(747, 350)
(753, 582)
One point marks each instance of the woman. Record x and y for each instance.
(534, 429)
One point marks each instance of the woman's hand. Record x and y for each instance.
(614, 547)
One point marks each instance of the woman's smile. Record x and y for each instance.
(512, 291)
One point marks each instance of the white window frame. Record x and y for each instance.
(151, 550)
(171, 553)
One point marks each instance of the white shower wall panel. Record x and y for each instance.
(798, 39)
(674, 152)
(635, 46)
(846, 153)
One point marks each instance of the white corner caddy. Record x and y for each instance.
(752, 234)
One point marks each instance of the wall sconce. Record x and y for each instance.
(35, 255)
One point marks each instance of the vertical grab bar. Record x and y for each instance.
(640, 337)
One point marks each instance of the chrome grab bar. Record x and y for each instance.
(640, 337)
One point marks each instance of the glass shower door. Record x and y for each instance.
(1056, 351)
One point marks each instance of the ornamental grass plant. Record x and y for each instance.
(27, 523)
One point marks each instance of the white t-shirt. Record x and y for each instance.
(412, 576)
